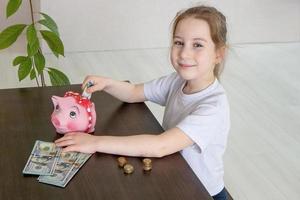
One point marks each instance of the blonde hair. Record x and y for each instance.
(217, 25)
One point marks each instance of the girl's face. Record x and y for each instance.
(193, 53)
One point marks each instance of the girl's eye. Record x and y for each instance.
(72, 114)
(197, 45)
(178, 43)
(57, 107)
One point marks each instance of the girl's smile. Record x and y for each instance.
(183, 65)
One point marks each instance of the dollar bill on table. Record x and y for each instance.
(65, 169)
(77, 165)
(62, 168)
(43, 159)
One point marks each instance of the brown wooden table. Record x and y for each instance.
(25, 118)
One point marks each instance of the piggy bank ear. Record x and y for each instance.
(92, 105)
(54, 100)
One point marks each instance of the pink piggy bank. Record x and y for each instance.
(73, 113)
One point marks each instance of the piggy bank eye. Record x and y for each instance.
(57, 107)
(72, 114)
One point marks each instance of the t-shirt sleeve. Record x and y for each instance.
(202, 125)
(157, 90)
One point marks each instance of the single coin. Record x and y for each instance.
(147, 168)
(122, 161)
(147, 161)
(128, 169)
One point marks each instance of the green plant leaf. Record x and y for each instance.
(53, 78)
(49, 23)
(33, 41)
(54, 42)
(57, 77)
(49, 26)
(12, 7)
(39, 61)
(18, 60)
(32, 50)
(29, 51)
(24, 69)
(9, 35)
(31, 33)
(32, 74)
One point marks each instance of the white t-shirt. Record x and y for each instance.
(202, 116)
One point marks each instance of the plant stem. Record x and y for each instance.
(31, 9)
(43, 79)
(36, 79)
(37, 82)
(42, 73)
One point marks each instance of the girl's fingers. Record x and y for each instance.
(65, 143)
(69, 148)
(68, 136)
(70, 133)
(62, 139)
(92, 89)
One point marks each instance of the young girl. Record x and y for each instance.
(196, 118)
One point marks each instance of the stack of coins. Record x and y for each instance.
(147, 164)
(122, 161)
(128, 169)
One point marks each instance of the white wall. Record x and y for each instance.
(94, 25)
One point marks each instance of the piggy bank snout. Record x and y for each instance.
(55, 121)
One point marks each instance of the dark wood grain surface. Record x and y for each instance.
(25, 118)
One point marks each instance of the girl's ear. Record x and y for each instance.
(220, 54)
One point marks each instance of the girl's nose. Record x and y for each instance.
(185, 52)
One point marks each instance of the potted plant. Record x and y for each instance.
(33, 65)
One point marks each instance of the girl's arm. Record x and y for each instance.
(124, 91)
(161, 145)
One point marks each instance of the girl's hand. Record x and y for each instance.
(99, 83)
(79, 142)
